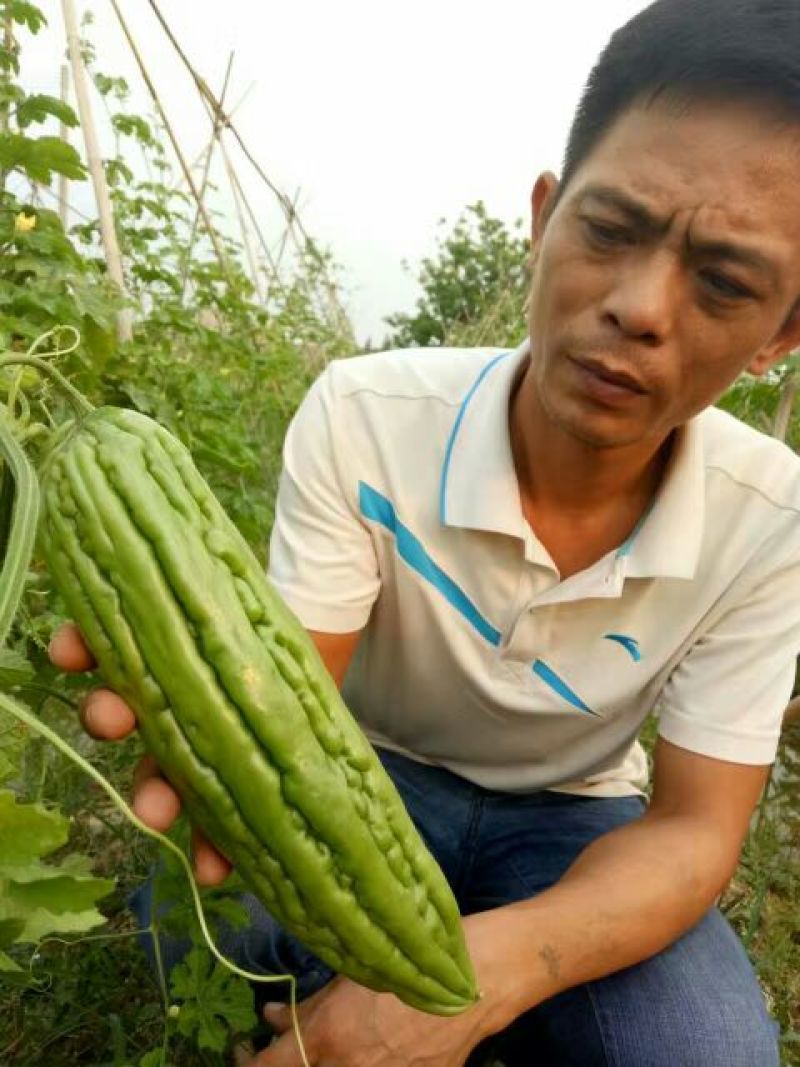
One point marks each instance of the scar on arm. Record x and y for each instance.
(551, 961)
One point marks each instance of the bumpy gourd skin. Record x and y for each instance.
(234, 702)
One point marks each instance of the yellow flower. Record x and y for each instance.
(23, 223)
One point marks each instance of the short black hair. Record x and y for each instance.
(691, 50)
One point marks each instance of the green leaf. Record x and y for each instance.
(8, 965)
(41, 157)
(28, 831)
(40, 922)
(39, 107)
(10, 929)
(154, 1058)
(118, 173)
(216, 1002)
(8, 766)
(10, 93)
(100, 343)
(50, 899)
(15, 670)
(106, 85)
(58, 889)
(133, 126)
(44, 899)
(25, 14)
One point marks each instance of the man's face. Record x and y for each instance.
(670, 264)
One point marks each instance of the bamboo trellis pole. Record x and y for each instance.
(207, 94)
(210, 229)
(287, 206)
(241, 199)
(63, 181)
(202, 154)
(284, 240)
(204, 184)
(783, 415)
(8, 45)
(248, 245)
(108, 234)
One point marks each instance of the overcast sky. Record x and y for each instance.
(385, 117)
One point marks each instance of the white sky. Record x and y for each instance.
(387, 117)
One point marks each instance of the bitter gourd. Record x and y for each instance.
(235, 703)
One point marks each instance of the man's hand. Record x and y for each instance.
(347, 1025)
(106, 717)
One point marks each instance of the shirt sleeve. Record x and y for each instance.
(727, 696)
(321, 557)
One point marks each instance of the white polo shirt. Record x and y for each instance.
(398, 511)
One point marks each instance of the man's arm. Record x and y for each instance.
(633, 891)
(336, 651)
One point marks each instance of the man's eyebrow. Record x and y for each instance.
(635, 210)
(748, 257)
(646, 220)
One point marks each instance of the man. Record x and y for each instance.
(515, 556)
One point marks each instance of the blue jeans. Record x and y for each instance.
(696, 1004)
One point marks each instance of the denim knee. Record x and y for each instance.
(733, 1033)
(757, 1047)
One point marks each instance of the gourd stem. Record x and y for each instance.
(23, 714)
(79, 402)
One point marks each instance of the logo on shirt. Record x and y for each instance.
(630, 644)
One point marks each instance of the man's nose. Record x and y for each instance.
(642, 301)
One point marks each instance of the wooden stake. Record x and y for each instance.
(242, 201)
(783, 416)
(248, 245)
(202, 155)
(108, 234)
(204, 184)
(295, 226)
(8, 44)
(212, 233)
(63, 181)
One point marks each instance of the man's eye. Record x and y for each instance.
(725, 287)
(602, 233)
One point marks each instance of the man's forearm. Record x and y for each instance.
(629, 894)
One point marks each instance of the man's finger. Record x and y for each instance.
(279, 1016)
(68, 651)
(106, 716)
(154, 800)
(158, 805)
(283, 1052)
(210, 866)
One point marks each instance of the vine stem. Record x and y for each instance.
(22, 532)
(79, 402)
(20, 712)
(29, 358)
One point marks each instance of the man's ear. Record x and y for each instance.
(543, 202)
(786, 340)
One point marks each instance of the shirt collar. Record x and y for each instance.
(667, 542)
(478, 484)
(479, 490)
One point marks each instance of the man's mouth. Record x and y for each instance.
(614, 376)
